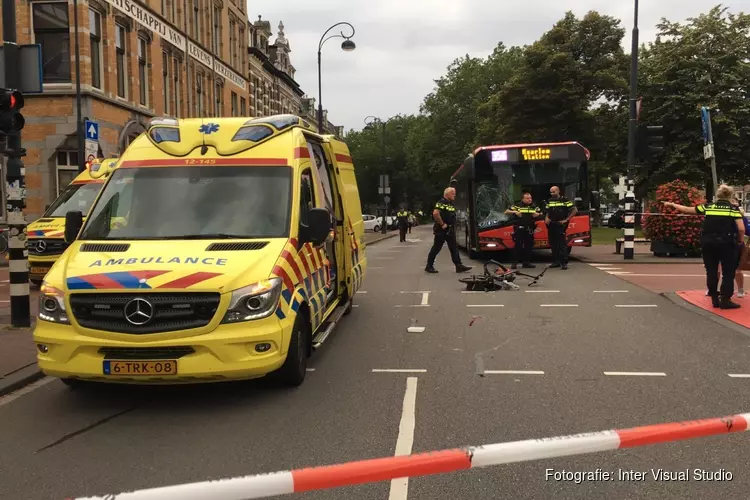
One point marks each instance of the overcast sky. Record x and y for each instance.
(404, 45)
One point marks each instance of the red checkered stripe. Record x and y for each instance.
(305, 276)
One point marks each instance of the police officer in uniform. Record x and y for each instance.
(523, 229)
(403, 223)
(445, 218)
(723, 231)
(558, 211)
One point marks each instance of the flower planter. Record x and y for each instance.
(666, 249)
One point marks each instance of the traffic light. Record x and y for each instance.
(649, 140)
(11, 103)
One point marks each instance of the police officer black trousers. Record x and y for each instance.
(524, 240)
(448, 236)
(558, 242)
(402, 233)
(719, 251)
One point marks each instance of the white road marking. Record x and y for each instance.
(415, 329)
(485, 305)
(739, 375)
(558, 305)
(405, 441)
(611, 291)
(5, 281)
(667, 275)
(601, 264)
(636, 305)
(9, 398)
(361, 291)
(355, 305)
(611, 268)
(374, 267)
(310, 369)
(425, 298)
(5, 301)
(542, 291)
(636, 374)
(398, 370)
(617, 273)
(513, 372)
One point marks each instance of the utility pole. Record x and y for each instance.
(708, 146)
(629, 227)
(20, 310)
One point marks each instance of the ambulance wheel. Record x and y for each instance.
(349, 308)
(292, 372)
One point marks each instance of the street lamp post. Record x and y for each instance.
(347, 46)
(79, 121)
(370, 122)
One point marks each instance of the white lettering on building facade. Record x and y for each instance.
(230, 75)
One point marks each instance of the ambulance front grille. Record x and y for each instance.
(41, 246)
(144, 313)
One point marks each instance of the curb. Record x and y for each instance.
(20, 378)
(621, 260)
(381, 238)
(676, 299)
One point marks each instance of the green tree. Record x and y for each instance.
(703, 62)
(576, 64)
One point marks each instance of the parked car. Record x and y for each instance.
(372, 223)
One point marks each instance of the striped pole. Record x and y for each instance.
(629, 227)
(438, 462)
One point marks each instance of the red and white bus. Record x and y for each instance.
(494, 178)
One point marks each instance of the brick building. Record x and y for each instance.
(178, 58)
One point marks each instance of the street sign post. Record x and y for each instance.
(385, 189)
(708, 145)
(91, 129)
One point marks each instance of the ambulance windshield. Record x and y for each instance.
(153, 203)
(74, 198)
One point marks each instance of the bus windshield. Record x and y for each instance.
(75, 197)
(503, 185)
(196, 202)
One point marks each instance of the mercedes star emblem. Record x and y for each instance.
(139, 311)
(41, 246)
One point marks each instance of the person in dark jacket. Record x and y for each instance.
(524, 225)
(402, 216)
(444, 215)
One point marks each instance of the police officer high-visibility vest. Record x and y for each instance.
(403, 217)
(528, 212)
(720, 221)
(558, 209)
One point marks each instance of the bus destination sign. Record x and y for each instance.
(531, 154)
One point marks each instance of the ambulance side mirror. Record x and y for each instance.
(73, 225)
(318, 227)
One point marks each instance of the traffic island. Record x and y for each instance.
(696, 300)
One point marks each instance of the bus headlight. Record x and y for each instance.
(254, 301)
(52, 305)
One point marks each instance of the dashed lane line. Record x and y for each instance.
(416, 329)
(405, 440)
(636, 305)
(513, 372)
(310, 369)
(611, 291)
(635, 374)
(361, 291)
(739, 375)
(485, 305)
(542, 291)
(398, 370)
(558, 305)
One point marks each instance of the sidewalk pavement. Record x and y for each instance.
(17, 359)
(696, 301)
(605, 254)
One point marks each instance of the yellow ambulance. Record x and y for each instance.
(239, 248)
(46, 235)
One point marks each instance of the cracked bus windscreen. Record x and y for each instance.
(503, 186)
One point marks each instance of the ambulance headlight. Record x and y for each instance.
(255, 301)
(52, 305)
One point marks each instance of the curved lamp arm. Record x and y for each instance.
(323, 38)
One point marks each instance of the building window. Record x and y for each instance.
(52, 31)
(199, 91)
(243, 53)
(143, 69)
(218, 100)
(232, 44)
(176, 72)
(243, 106)
(67, 168)
(217, 31)
(165, 81)
(95, 41)
(234, 104)
(196, 20)
(122, 67)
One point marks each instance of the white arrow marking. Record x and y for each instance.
(92, 130)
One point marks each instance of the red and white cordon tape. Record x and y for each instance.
(438, 462)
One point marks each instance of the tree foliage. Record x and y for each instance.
(572, 84)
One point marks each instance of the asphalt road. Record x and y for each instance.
(57, 443)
